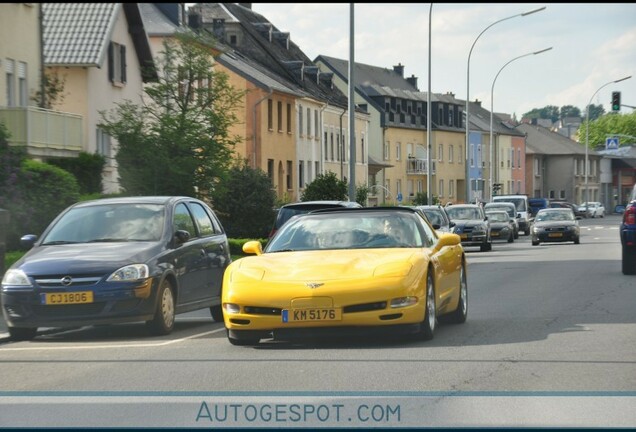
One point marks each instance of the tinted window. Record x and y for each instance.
(183, 220)
(203, 220)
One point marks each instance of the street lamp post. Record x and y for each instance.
(587, 135)
(492, 94)
(467, 171)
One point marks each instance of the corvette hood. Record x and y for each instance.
(326, 265)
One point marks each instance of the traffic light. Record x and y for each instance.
(496, 188)
(616, 101)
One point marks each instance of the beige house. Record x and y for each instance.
(99, 50)
(43, 132)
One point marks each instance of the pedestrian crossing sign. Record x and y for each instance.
(611, 143)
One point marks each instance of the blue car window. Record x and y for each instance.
(183, 221)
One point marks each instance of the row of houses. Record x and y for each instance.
(294, 119)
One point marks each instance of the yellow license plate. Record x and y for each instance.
(68, 298)
(317, 314)
(555, 235)
(463, 236)
(494, 234)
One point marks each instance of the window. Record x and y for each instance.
(183, 221)
(398, 151)
(270, 114)
(410, 186)
(270, 170)
(537, 172)
(460, 156)
(104, 146)
(206, 228)
(280, 116)
(450, 153)
(117, 63)
(9, 68)
(300, 120)
(316, 123)
(338, 149)
(451, 188)
(331, 148)
(289, 175)
(301, 174)
(289, 119)
(472, 155)
(233, 40)
(479, 156)
(387, 150)
(326, 146)
(308, 122)
(409, 150)
(576, 167)
(562, 194)
(518, 186)
(440, 190)
(387, 188)
(317, 168)
(398, 187)
(551, 194)
(362, 159)
(420, 186)
(518, 158)
(502, 152)
(23, 91)
(440, 152)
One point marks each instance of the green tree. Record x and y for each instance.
(596, 111)
(570, 111)
(362, 194)
(609, 124)
(178, 142)
(326, 187)
(245, 202)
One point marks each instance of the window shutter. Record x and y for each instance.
(123, 63)
(111, 63)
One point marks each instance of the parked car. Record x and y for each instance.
(287, 211)
(501, 227)
(471, 224)
(565, 204)
(628, 236)
(343, 272)
(537, 204)
(509, 208)
(118, 260)
(437, 216)
(522, 207)
(592, 209)
(555, 225)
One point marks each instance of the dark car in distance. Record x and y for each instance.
(118, 260)
(437, 216)
(555, 225)
(288, 211)
(501, 226)
(565, 204)
(628, 236)
(471, 224)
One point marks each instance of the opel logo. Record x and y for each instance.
(66, 280)
(314, 285)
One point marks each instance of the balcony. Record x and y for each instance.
(44, 133)
(418, 166)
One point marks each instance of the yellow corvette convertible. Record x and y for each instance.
(346, 271)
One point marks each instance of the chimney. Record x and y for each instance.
(413, 81)
(195, 21)
(478, 102)
(399, 69)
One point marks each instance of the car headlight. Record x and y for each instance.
(16, 277)
(129, 273)
(536, 229)
(403, 302)
(479, 229)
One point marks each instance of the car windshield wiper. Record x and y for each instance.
(58, 242)
(283, 250)
(108, 240)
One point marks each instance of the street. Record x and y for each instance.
(550, 340)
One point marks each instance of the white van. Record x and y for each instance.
(521, 203)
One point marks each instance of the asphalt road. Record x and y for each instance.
(550, 341)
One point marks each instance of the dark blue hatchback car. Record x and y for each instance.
(628, 236)
(118, 260)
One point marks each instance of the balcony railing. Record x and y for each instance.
(418, 166)
(44, 132)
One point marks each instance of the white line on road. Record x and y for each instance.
(132, 345)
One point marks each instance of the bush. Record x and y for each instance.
(43, 191)
(87, 169)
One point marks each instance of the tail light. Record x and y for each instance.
(629, 217)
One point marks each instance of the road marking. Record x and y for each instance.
(131, 345)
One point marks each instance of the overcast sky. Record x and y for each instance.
(592, 44)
